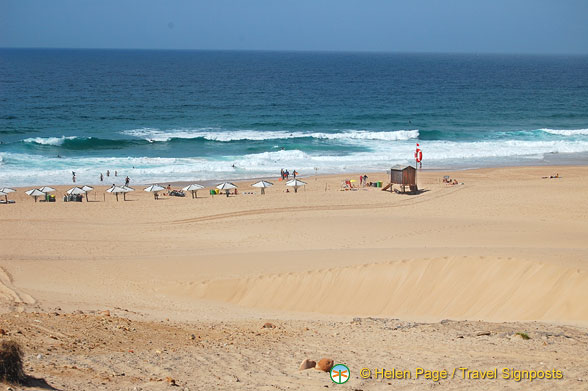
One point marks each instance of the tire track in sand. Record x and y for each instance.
(412, 201)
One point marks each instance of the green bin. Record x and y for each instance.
(379, 183)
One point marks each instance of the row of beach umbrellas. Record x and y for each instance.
(43, 191)
(116, 190)
(227, 186)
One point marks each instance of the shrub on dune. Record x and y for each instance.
(11, 363)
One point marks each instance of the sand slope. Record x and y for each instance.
(451, 287)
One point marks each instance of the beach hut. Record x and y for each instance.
(35, 193)
(194, 189)
(262, 185)
(296, 183)
(226, 186)
(403, 176)
(155, 189)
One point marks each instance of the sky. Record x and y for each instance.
(462, 26)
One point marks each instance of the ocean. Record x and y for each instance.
(162, 116)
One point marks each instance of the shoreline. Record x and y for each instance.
(211, 183)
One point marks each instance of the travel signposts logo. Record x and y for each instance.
(340, 374)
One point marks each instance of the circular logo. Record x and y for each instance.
(340, 374)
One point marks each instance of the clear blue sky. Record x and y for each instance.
(503, 26)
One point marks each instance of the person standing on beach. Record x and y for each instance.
(115, 173)
(127, 181)
(107, 172)
(73, 176)
(101, 177)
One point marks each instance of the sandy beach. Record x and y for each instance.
(441, 280)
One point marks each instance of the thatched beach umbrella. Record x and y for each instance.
(7, 190)
(46, 189)
(126, 190)
(226, 186)
(296, 184)
(154, 189)
(116, 190)
(262, 185)
(194, 189)
(35, 193)
(87, 189)
(75, 190)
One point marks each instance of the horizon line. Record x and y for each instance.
(331, 51)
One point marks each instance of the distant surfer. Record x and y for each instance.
(58, 156)
(234, 165)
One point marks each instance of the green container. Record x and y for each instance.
(379, 184)
(212, 192)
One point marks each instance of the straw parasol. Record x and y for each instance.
(194, 189)
(116, 190)
(296, 183)
(126, 189)
(46, 189)
(226, 186)
(154, 189)
(262, 185)
(35, 193)
(87, 189)
(7, 190)
(75, 190)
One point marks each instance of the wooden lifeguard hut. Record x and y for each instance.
(404, 176)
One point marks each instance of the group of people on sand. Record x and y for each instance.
(449, 181)
(285, 174)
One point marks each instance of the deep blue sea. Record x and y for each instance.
(162, 116)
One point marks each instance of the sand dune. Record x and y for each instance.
(431, 289)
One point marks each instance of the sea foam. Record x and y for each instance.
(565, 132)
(217, 134)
